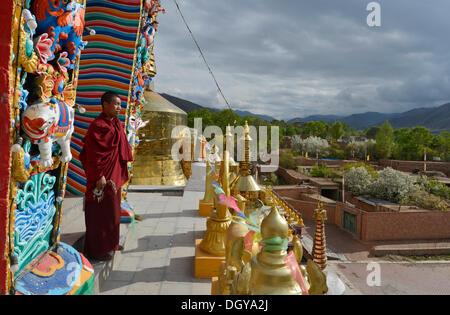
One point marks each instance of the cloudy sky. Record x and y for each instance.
(294, 58)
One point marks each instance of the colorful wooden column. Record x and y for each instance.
(38, 81)
(6, 14)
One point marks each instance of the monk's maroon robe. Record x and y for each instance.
(106, 152)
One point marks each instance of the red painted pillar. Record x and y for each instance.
(6, 12)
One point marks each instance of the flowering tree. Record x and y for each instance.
(393, 185)
(358, 180)
(398, 187)
(310, 144)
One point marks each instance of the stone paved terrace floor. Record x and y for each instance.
(159, 255)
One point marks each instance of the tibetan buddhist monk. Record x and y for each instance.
(105, 156)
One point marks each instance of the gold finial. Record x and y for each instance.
(274, 225)
(320, 205)
(320, 213)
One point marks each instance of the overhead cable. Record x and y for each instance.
(202, 55)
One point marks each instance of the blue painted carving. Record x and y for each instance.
(34, 217)
(60, 282)
(23, 99)
(63, 21)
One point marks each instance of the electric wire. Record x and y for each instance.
(202, 55)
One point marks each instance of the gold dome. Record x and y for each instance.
(154, 165)
(274, 225)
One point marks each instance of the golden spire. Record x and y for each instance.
(205, 205)
(246, 164)
(319, 248)
(217, 224)
(229, 145)
(245, 184)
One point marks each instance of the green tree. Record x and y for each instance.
(423, 139)
(287, 160)
(315, 129)
(371, 133)
(441, 144)
(226, 117)
(337, 131)
(385, 141)
(204, 114)
(289, 130)
(410, 144)
(404, 144)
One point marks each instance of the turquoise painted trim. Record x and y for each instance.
(113, 19)
(73, 191)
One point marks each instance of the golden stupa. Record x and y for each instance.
(154, 165)
(245, 184)
(267, 272)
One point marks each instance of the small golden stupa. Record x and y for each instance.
(234, 166)
(245, 184)
(267, 273)
(206, 204)
(214, 242)
(154, 165)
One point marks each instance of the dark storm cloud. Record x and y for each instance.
(289, 58)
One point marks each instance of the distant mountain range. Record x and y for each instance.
(188, 107)
(357, 121)
(435, 118)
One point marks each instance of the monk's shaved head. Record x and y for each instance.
(108, 97)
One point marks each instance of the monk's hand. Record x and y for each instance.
(101, 183)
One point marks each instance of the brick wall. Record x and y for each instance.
(338, 218)
(300, 160)
(405, 225)
(381, 226)
(359, 204)
(295, 191)
(409, 166)
(291, 177)
(315, 198)
(306, 209)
